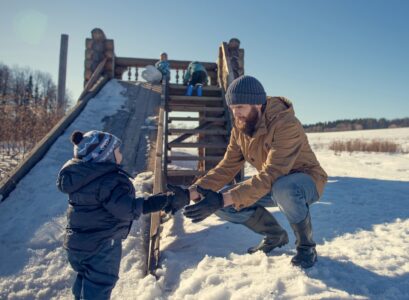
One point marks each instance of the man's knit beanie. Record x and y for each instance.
(95, 146)
(245, 90)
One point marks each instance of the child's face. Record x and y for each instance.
(118, 156)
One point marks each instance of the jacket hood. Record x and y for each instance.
(76, 173)
(275, 107)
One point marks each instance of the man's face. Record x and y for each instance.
(163, 57)
(246, 117)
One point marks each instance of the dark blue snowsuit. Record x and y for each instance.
(101, 208)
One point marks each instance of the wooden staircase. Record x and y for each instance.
(195, 123)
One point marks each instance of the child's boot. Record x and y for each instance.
(189, 90)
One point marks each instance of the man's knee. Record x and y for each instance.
(285, 191)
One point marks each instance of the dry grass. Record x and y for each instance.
(366, 146)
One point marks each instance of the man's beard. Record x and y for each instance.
(247, 125)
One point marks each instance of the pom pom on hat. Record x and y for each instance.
(76, 137)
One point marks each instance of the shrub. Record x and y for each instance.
(366, 146)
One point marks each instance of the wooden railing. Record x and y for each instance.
(159, 183)
(225, 75)
(132, 67)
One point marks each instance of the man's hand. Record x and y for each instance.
(179, 200)
(194, 195)
(211, 202)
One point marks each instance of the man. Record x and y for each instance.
(266, 134)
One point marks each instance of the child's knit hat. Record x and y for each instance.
(95, 146)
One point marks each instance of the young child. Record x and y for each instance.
(163, 65)
(195, 77)
(101, 207)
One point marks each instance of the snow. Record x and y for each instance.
(361, 226)
(33, 262)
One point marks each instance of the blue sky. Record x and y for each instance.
(333, 59)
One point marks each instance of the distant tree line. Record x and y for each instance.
(28, 108)
(356, 124)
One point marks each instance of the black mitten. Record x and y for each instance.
(211, 202)
(155, 203)
(180, 199)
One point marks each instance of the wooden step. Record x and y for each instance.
(174, 99)
(194, 108)
(206, 119)
(194, 157)
(173, 173)
(197, 145)
(205, 88)
(197, 131)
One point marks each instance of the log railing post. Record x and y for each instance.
(62, 74)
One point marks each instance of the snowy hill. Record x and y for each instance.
(361, 226)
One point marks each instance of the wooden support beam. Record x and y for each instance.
(194, 108)
(62, 73)
(197, 131)
(173, 173)
(192, 99)
(158, 184)
(209, 119)
(194, 157)
(197, 145)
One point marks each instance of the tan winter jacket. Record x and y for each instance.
(278, 147)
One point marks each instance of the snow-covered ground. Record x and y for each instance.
(361, 226)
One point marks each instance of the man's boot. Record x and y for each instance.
(306, 254)
(263, 222)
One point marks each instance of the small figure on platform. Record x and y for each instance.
(163, 66)
(101, 208)
(195, 77)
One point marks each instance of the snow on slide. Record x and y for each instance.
(33, 264)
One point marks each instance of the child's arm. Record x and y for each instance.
(120, 201)
(155, 203)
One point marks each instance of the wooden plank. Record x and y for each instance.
(195, 99)
(227, 64)
(197, 131)
(186, 135)
(197, 145)
(194, 157)
(94, 78)
(173, 173)
(154, 234)
(194, 108)
(9, 183)
(209, 119)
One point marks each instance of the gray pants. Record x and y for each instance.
(291, 193)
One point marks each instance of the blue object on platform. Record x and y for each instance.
(199, 90)
(189, 90)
